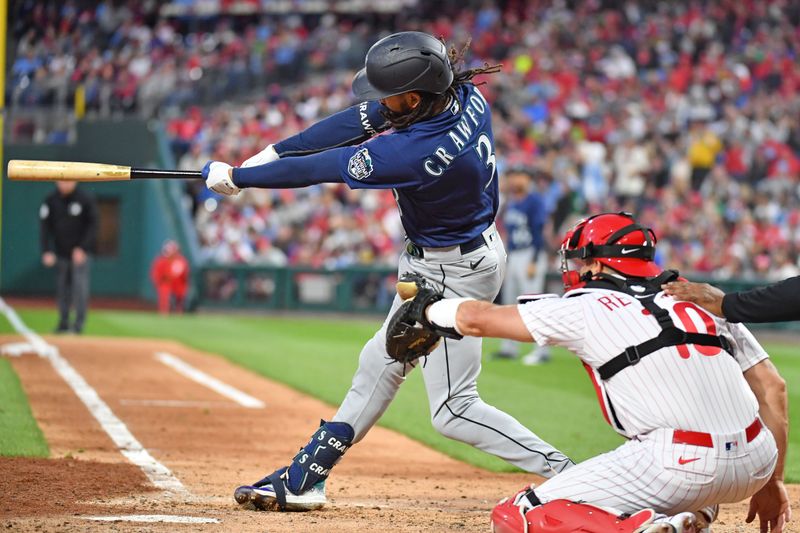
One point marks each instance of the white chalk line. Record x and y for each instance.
(131, 448)
(184, 368)
(176, 403)
(163, 518)
(17, 349)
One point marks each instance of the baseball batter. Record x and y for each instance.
(524, 217)
(702, 406)
(439, 161)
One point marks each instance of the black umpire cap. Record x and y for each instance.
(402, 62)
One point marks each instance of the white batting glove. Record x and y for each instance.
(267, 155)
(218, 178)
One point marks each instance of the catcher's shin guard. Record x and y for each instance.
(515, 515)
(301, 485)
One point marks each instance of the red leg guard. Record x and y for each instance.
(564, 516)
(507, 517)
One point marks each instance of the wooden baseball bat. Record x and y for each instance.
(26, 170)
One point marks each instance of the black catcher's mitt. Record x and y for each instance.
(409, 334)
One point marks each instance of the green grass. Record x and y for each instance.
(319, 356)
(19, 433)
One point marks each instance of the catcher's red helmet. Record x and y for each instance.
(614, 239)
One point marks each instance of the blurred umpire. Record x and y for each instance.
(68, 232)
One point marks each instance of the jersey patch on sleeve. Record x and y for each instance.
(360, 165)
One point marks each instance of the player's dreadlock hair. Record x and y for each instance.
(433, 104)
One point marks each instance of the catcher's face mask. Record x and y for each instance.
(572, 279)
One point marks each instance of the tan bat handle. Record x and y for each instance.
(20, 169)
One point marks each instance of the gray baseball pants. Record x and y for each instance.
(451, 371)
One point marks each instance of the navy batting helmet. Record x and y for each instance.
(402, 62)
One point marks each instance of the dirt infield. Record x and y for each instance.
(211, 445)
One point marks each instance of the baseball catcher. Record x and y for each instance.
(701, 404)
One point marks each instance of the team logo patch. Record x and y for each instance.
(360, 165)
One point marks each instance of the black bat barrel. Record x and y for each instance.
(152, 173)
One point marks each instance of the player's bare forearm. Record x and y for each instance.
(703, 294)
(770, 390)
(484, 319)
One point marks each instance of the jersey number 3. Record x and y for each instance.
(681, 309)
(485, 152)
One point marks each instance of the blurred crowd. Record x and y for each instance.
(685, 113)
(145, 56)
(322, 226)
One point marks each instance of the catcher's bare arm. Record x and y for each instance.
(771, 503)
(484, 319)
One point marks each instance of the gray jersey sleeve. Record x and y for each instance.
(748, 351)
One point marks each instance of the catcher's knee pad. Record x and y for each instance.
(314, 461)
(514, 515)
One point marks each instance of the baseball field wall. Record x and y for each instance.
(135, 217)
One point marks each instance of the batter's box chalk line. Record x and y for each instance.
(18, 349)
(154, 518)
(187, 370)
(158, 474)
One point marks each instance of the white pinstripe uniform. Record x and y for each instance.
(688, 388)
